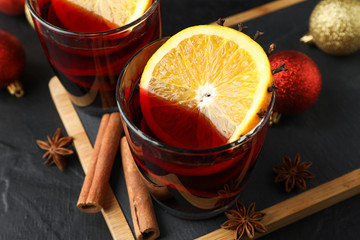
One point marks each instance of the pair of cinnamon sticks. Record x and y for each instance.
(93, 192)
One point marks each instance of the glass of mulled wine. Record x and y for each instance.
(188, 183)
(86, 54)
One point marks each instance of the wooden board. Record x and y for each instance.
(277, 216)
(112, 212)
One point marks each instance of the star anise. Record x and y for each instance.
(223, 196)
(293, 173)
(227, 194)
(242, 220)
(56, 149)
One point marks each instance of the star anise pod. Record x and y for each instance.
(244, 220)
(226, 195)
(293, 173)
(56, 149)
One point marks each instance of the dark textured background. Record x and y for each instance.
(38, 202)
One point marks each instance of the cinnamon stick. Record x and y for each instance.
(93, 192)
(142, 209)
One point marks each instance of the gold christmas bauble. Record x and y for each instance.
(335, 26)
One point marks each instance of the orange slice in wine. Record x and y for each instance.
(205, 72)
(98, 15)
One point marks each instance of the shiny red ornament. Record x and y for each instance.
(298, 87)
(12, 62)
(12, 7)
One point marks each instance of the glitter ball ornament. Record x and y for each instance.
(298, 87)
(12, 7)
(12, 63)
(334, 26)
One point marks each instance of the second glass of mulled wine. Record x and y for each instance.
(88, 52)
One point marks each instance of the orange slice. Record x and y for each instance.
(106, 14)
(210, 72)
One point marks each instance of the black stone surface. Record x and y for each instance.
(38, 202)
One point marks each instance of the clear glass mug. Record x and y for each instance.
(88, 64)
(192, 184)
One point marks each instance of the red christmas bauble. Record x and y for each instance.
(12, 59)
(12, 7)
(298, 87)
